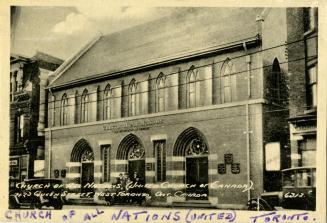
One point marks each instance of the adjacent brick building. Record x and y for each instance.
(28, 78)
(303, 24)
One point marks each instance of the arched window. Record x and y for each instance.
(226, 71)
(191, 83)
(132, 98)
(160, 93)
(108, 102)
(275, 81)
(84, 106)
(64, 110)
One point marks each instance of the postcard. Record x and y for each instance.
(163, 112)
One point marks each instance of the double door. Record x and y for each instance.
(87, 176)
(137, 166)
(197, 174)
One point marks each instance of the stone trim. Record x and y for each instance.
(150, 160)
(175, 159)
(213, 200)
(150, 173)
(73, 175)
(120, 162)
(158, 137)
(212, 157)
(175, 172)
(104, 142)
(97, 162)
(73, 164)
(98, 175)
(212, 171)
(114, 174)
(161, 114)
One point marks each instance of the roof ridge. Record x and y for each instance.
(186, 31)
(38, 56)
(71, 60)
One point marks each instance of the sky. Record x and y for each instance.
(62, 31)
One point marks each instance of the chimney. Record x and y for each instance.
(43, 83)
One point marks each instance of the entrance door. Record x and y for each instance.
(137, 166)
(87, 176)
(197, 174)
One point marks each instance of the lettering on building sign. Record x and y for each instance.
(13, 162)
(306, 128)
(132, 125)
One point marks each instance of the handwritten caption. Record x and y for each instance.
(187, 216)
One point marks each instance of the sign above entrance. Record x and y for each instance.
(134, 125)
(273, 156)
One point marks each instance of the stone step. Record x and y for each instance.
(81, 201)
(194, 203)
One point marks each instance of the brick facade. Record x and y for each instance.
(238, 118)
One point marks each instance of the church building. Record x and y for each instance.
(195, 98)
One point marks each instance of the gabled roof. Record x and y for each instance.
(14, 58)
(44, 60)
(40, 56)
(181, 34)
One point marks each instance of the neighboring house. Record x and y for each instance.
(194, 98)
(28, 78)
(303, 86)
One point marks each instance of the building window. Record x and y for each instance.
(24, 168)
(19, 128)
(15, 81)
(226, 72)
(105, 157)
(312, 87)
(160, 154)
(51, 109)
(275, 85)
(132, 98)
(84, 106)
(191, 87)
(14, 168)
(310, 19)
(63, 110)
(11, 86)
(308, 148)
(108, 102)
(160, 93)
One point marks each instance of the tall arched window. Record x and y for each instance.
(275, 81)
(84, 106)
(108, 102)
(132, 98)
(226, 72)
(160, 93)
(64, 110)
(191, 83)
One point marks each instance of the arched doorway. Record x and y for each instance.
(83, 153)
(131, 149)
(191, 144)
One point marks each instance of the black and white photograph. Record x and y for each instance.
(186, 113)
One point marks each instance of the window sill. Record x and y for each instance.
(309, 32)
(311, 110)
